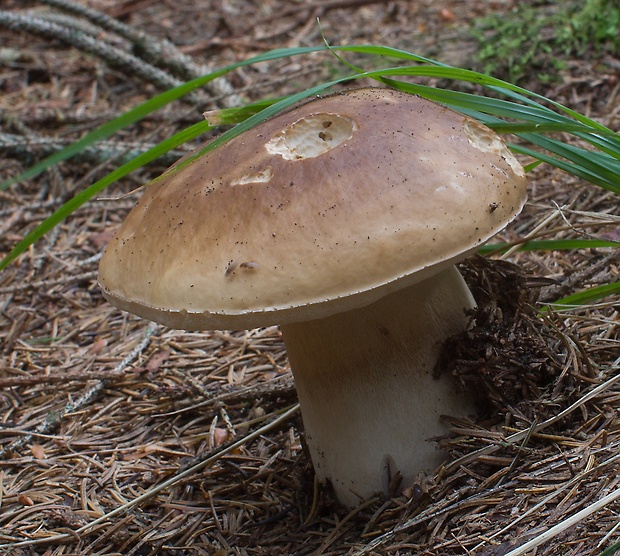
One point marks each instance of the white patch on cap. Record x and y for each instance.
(263, 176)
(486, 140)
(311, 136)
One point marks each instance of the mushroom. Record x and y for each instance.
(341, 220)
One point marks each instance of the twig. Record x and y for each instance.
(160, 52)
(17, 381)
(533, 232)
(67, 21)
(127, 63)
(121, 151)
(240, 395)
(45, 284)
(552, 293)
(155, 51)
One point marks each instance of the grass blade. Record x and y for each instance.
(586, 296)
(611, 550)
(550, 245)
(78, 200)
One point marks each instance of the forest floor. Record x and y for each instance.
(101, 412)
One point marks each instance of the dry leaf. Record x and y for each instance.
(219, 436)
(446, 15)
(38, 451)
(25, 500)
(98, 346)
(157, 360)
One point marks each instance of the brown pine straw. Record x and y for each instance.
(97, 449)
(524, 434)
(214, 457)
(563, 525)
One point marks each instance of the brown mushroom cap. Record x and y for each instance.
(323, 208)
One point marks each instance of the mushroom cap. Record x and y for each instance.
(321, 209)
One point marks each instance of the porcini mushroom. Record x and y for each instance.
(340, 220)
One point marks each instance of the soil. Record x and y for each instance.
(122, 437)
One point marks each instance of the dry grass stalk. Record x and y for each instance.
(571, 521)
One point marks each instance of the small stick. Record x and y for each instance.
(54, 378)
(44, 284)
(127, 63)
(122, 151)
(155, 51)
(557, 212)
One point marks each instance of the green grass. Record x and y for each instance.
(536, 39)
(510, 109)
(614, 549)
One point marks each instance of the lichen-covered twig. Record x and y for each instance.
(114, 57)
(155, 51)
(67, 21)
(19, 146)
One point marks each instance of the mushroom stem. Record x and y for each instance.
(370, 401)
